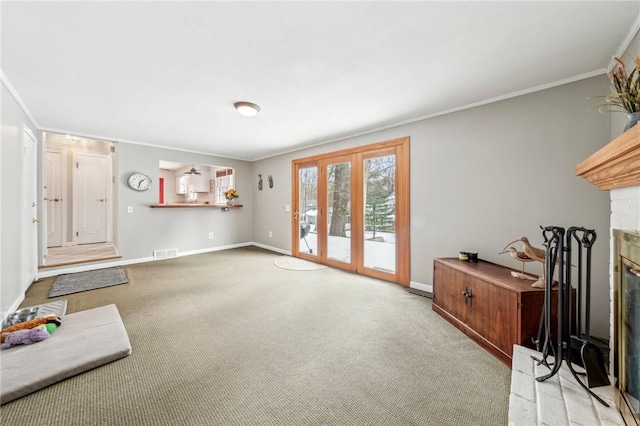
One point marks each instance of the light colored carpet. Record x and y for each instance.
(296, 264)
(228, 338)
(88, 280)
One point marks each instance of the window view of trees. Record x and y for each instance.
(351, 209)
(379, 178)
(309, 194)
(339, 192)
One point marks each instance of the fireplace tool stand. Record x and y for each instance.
(574, 349)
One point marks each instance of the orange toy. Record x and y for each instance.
(31, 324)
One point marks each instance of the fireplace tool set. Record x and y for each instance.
(565, 346)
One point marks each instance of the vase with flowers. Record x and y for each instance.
(231, 194)
(625, 92)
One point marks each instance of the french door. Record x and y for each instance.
(351, 210)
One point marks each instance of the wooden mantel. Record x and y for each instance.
(617, 164)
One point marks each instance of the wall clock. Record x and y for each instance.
(139, 181)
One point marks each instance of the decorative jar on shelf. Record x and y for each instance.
(632, 119)
(230, 202)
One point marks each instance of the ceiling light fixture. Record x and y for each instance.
(247, 109)
(193, 171)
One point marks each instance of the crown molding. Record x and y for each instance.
(7, 83)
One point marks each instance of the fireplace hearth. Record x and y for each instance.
(626, 318)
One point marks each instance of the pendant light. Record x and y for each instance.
(193, 171)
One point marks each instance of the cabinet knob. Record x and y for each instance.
(467, 293)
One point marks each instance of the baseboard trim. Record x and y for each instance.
(211, 249)
(52, 272)
(271, 248)
(420, 286)
(90, 267)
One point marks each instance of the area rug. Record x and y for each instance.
(89, 280)
(295, 264)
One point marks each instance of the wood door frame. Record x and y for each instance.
(399, 147)
(323, 235)
(295, 221)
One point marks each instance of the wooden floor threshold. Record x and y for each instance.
(74, 262)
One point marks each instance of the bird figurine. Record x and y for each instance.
(533, 253)
(520, 257)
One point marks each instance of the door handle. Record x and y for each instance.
(35, 219)
(102, 199)
(467, 294)
(295, 215)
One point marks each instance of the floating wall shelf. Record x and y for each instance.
(617, 164)
(195, 206)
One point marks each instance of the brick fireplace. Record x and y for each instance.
(616, 167)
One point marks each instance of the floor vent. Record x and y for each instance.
(165, 254)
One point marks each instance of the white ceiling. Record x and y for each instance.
(168, 73)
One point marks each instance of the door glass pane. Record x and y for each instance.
(339, 208)
(308, 210)
(380, 213)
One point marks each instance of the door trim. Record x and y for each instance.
(29, 267)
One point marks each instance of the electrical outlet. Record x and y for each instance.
(211, 235)
(130, 209)
(270, 234)
(287, 208)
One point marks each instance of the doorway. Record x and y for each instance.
(351, 210)
(79, 194)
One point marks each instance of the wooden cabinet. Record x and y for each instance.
(486, 303)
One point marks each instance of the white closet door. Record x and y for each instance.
(90, 182)
(53, 197)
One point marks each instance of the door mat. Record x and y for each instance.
(89, 280)
(296, 264)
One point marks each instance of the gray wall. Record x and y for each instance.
(483, 177)
(12, 120)
(147, 229)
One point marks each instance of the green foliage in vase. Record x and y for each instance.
(625, 89)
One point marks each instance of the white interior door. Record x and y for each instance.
(29, 210)
(90, 183)
(54, 183)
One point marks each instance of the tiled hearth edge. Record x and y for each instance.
(557, 401)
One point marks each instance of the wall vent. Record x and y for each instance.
(165, 254)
